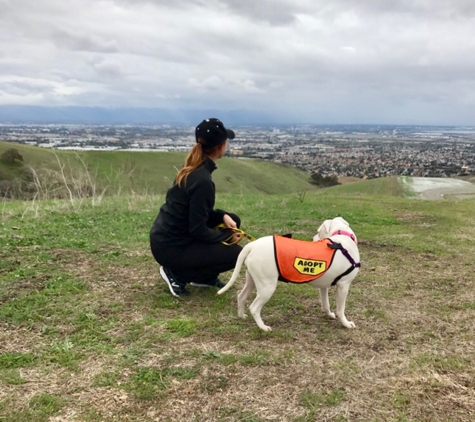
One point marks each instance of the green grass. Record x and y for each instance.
(89, 332)
(16, 360)
(388, 186)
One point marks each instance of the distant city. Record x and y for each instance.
(361, 151)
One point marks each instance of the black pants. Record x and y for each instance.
(198, 262)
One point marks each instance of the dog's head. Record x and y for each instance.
(331, 226)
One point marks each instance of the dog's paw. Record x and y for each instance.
(242, 315)
(330, 315)
(349, 324)
(265, 328)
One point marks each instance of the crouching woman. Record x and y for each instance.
(183, 239)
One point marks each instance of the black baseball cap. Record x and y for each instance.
(212, 132)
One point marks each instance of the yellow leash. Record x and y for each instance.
(229, 241)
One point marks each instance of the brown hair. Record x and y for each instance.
(193, 160)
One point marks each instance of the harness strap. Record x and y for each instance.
(348, 271)
(338, 246)
(345, 233)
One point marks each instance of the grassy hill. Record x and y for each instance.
(125, 172)
(89, 331)
(388, 186)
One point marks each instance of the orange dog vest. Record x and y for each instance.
(300, 261)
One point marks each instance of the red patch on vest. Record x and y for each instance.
(300, 261)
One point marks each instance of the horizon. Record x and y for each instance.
(140, 116)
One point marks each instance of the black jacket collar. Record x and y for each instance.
(209, 164)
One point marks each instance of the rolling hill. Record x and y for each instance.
(148, 172)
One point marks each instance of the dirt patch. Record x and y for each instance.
(448, 193)
(347, 180)
(439, 188)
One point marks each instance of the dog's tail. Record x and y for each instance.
(241, 258)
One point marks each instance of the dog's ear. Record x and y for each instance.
(323, 231)
(341, 220)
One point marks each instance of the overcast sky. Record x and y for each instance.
(334, 61)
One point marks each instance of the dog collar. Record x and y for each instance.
(344, 233)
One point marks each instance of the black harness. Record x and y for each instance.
(338, 246)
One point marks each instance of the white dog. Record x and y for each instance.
(263, 270)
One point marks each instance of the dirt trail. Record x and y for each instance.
(459, 193)
(439, 188)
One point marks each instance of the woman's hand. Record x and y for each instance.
(236, 238)
(229, 222)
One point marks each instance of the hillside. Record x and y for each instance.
(118, 172)
(410, 187)
(91, 333)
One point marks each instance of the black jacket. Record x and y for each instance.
(188, 213)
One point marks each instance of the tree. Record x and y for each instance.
(323, 181)
(10, 155)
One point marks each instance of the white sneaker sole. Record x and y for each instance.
(169, 284)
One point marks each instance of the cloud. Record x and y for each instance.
(340, 61)
(83, 42)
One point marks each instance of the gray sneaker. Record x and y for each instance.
(177, 289)
(215, 283)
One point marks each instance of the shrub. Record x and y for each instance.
(323, 181)
(10, 155)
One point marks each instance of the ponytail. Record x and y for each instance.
(194, 159)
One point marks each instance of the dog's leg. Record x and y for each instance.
(325, 303)
(264, 293)
(249, 286)
(341, 294)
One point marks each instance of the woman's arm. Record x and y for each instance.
(201, 207)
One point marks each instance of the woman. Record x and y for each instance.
(183, 239)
